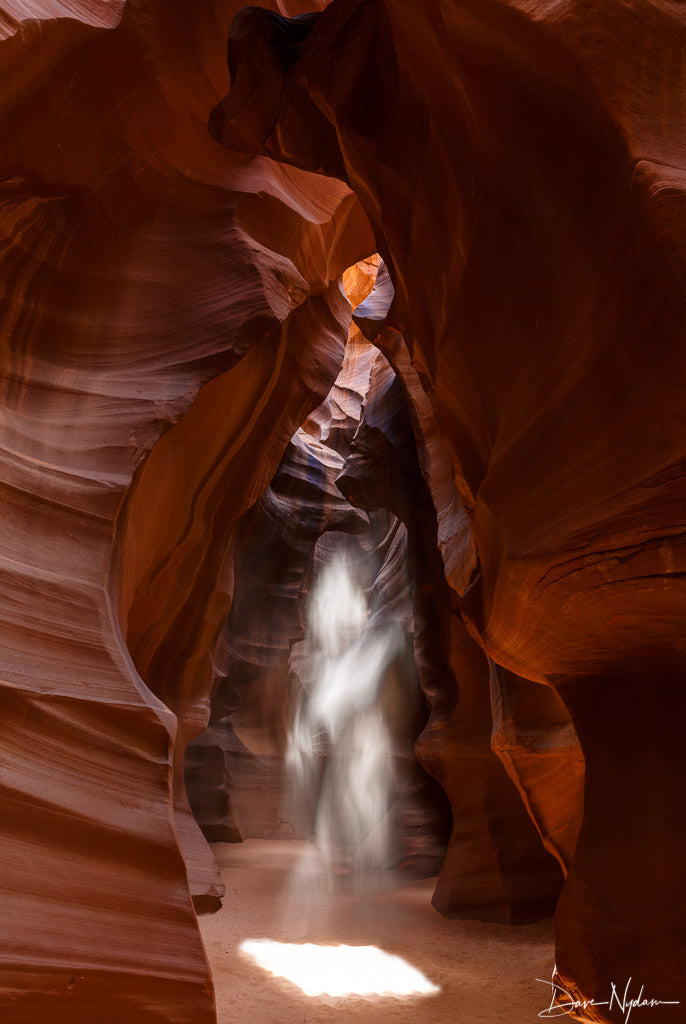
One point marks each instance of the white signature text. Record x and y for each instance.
(562, 1003)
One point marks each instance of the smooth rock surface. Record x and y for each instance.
(151, 355)
(171, 314)
(523, 166)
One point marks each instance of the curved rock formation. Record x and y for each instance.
(535, 739)
(523, 165)
(495, 868)
(154, 352)
(171, 314)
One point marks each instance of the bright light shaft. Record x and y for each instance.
(341, 718)
(337, 612)
(339, 970)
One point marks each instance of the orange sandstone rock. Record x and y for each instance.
(523, 167)
(157, 351)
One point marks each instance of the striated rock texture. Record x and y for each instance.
(536, 741)
(171, 314)
(526, 726)
(523, 167)
(495, 868)
(159, 344)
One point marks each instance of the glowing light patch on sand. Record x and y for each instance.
(339, 970)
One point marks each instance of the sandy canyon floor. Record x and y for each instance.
(276, 889)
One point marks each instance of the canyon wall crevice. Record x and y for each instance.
(264, 658)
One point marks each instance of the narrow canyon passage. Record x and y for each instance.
(275, 890)
(387, 283)
(332, 703)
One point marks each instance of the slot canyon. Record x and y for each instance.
(343, 540)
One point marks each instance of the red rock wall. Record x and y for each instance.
(143, 297)
(495, 867)
(523, 165)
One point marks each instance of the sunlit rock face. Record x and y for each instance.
(158, 351)
(523, 165)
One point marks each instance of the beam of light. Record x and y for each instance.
(341, 719)
(339, 970)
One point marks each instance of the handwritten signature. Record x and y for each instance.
(562, 1003)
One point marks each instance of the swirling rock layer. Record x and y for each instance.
(495, 867)
(522, 165)
(151, 354)
(170, 314)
